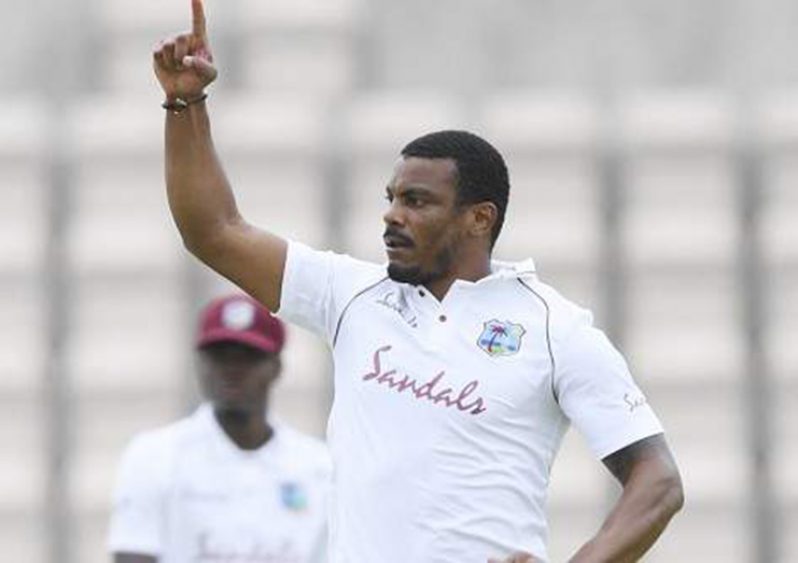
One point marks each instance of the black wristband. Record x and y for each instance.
(180, 105)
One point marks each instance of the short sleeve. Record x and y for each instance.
(597, 393)
(318, 285)
(137, 515)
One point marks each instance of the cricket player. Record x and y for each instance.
(228, 483)
(456, 376)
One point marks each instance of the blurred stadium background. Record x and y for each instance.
(653, 150)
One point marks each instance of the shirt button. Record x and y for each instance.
(442, 318)
(421, 292)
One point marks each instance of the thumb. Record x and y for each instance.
(201, 66)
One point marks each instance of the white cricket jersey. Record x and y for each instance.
(447, 415)
(187, 494)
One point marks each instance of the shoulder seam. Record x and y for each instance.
(548, 334)
(346, 308)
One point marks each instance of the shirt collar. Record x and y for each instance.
(501, 270)
(511, 270)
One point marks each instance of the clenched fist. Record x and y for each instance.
(184, 64)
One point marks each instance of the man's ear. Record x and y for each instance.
(483, 217)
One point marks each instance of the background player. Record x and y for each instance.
(227, 483)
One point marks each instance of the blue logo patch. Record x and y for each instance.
(293, 496)
(501, 338)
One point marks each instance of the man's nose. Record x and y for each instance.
(393, 215)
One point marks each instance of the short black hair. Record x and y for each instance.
(481, 172)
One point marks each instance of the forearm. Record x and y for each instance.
(200, 197)
(637, 520)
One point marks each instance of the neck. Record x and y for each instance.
(246, 430)
(462, 269)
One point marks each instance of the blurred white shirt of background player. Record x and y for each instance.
(226, 483)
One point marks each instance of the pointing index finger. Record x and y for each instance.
(198, 19)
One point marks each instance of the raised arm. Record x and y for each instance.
(652, 494)
(200, 197)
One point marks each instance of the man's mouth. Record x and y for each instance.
(396, 241)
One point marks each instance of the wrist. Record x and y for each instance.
(178, 104)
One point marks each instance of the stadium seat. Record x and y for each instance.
(298, 46)
(120, 221)
(104, 423)
(678, 179)
(570, 527)
(24, 152)
(700, 532)
(23, 477)
(777, 121)
(578, 497)
(705, 427)
(127, 31)
(273, 150)
(578, 480)
(91, 536)
(22, 535)
(378, 126)
(714, 519)
(303, 13)
(305, 408)
(579, 494)
(780, 233)
(789, 547)
(551, 147)
(23, 359)
(679, 232)
(684, 327)
(23, 443)
(777, 131)
(23, 355)
(717, 410)
(781, 302)
(128, 339)
(128, 335)
(582, 286)
(784, 449)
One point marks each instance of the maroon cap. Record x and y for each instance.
(239, 318)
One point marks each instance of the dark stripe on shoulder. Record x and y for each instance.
(548, 333)
(355, 296)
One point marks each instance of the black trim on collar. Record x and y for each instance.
(346, 308)
(548, 334)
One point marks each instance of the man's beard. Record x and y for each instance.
(415, 275)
